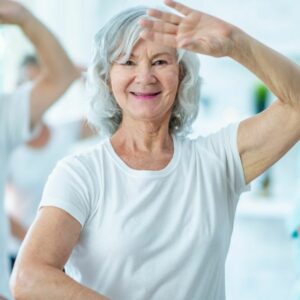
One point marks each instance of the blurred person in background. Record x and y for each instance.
(30, 69)
(149, 213)
(21, 110)
(31, 163)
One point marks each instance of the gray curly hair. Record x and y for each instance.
(116, 38)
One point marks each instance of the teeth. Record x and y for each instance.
(146, 94)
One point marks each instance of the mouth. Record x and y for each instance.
(145, 96)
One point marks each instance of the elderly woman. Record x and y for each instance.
(148, 213)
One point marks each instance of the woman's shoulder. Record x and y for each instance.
(87, 159)
(217, 137)
(215, 143)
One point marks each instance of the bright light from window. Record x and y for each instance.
(3, 44)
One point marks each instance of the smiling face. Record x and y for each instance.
(146, 84)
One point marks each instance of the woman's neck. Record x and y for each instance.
(143, 137)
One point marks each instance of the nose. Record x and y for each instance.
(144, 74)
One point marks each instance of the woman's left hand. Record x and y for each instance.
(194, 31)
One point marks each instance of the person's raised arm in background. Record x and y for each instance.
(57, 70)
(57, 73)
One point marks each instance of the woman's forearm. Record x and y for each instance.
(46, 282)
(281, 75)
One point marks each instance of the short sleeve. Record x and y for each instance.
(69, 187)
(15, 116)
(224, 145)
(234, 163)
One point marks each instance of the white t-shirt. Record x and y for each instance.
(152, 234)
(14, 128)
(29, 169)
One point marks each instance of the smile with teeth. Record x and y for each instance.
(145, 96)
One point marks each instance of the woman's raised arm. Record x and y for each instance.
(262, 139)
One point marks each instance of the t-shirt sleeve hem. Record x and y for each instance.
(244, 187)
(71, 210)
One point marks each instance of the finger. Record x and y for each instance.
(158, 26)
(161, 38)
(164, 16)
(185, 10)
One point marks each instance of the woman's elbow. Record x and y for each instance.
(22, 283)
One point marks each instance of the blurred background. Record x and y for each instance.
(264, 255)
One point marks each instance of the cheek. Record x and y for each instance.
(171, 77)
(118, 85)
(171, 82)
(117, 80)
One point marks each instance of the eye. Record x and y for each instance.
(128, 63)
(160, 62)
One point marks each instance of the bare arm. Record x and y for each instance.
(38, 270)
(265, 138)
(57, 70)
(262, 139)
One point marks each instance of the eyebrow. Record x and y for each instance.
(155, 55)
